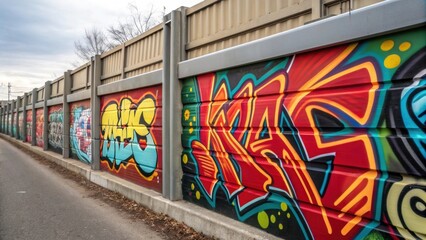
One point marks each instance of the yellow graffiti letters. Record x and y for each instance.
(121, 122)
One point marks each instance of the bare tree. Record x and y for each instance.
(136, 24)
(94, 42)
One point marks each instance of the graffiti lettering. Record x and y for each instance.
(81, 132)
(55, 126)
(39, 127)
(29, 123)
(126, 134)
(304, 141)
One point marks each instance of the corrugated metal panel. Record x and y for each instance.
(54, 89)
(335, 7)
(146, 69)
(145, 50)
(218, 24)
(79, 79)
(228, 23)
(40, 95)
(110, 79)
(111, 64)
(61, 86)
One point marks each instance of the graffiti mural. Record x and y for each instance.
(131, 136)
(55, 126)
(329, 144)
(80, 132)
(21, 126)
(28, 124)
(39, 127)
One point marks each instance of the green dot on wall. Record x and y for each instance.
(263, 219)
(273, 219)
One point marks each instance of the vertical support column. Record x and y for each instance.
(95, 105)
(66, 111)
(123, 60)
(176, 107)
(33, 119)
(317, 9)
(172, 109)
(166, 107)
(24, 117)
(47, 92)
(17, 118)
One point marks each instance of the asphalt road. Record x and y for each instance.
(36, 203)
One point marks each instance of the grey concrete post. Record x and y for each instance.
(47, 92)
(176, 107)
(24, 117)
(33, 121)
(66, 111)
(95, 106)
(166, 107)
(172, 129)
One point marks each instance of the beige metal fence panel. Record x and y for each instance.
(218, 24)
(139, 55)
(54, 87)
(40, 94)
(222, 24)
(61, 86)
(144, 53)
(79, 78)
(111, 65)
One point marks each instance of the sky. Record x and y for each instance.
(37, 36)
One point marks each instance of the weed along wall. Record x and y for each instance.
(311, 145)
(131, 136)
(80, 131)
(55, 125)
